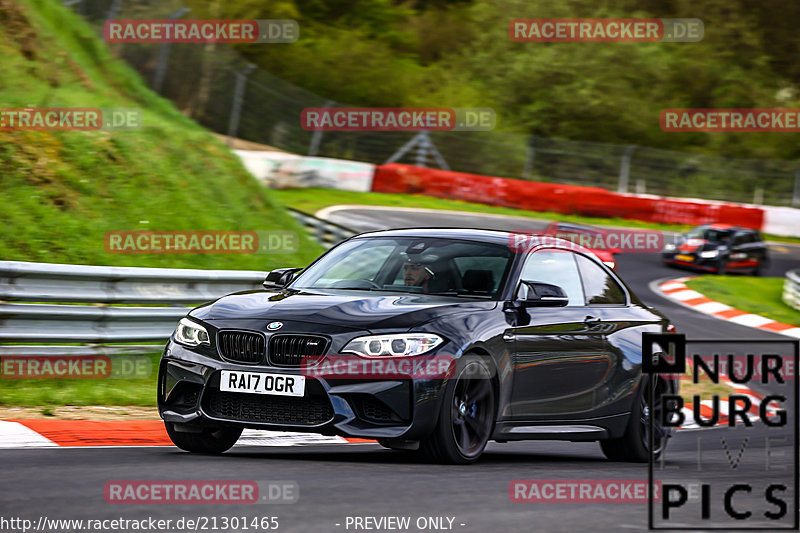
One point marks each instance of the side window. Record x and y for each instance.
(495, 266)
(600, 288)
(740, 238)
(556, 268)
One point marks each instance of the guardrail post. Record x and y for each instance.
(791, 289)
(625, 169)
(163, 54)
(316, 137)
(238, 96)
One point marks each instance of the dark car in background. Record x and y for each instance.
(545, 344)
(719, 248)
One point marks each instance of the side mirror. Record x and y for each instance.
(542, 295)
(280, 277)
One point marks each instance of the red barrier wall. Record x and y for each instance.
(567, 199)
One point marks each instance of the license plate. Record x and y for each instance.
(684, 257)
(262, 383)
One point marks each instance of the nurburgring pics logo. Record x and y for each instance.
(731, 120)
(201, 242)
(69, 118)
(398, 119)
(605, 30)
(749, 461)
(201, 31)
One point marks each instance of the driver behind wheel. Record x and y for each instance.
(416, 273)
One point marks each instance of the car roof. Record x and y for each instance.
(726, 227)
(478, 235)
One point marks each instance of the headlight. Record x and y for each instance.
(399, 344)
(191, 333)
(669, 247)
(709, 254)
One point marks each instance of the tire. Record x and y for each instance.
(722, 267)
(633, 446)
(209, 440)
(466, 418)
(761, 268)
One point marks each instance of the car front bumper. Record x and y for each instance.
(189, 394)
(696, 262)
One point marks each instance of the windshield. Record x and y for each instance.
(412, 265)
(711, 235)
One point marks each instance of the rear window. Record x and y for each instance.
(599, 286)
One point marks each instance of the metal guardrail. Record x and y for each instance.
(99, 323)
(791, 289)
(44, 323)
(326, 233)
(51, 282)
(58, 351)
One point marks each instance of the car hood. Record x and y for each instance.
(351, 309)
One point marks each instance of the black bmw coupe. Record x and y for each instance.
(544, 343)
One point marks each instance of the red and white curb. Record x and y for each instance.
(676, 289)
(44, 433)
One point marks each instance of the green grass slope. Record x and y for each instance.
(60, 192)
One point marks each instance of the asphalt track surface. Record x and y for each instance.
(341, 481)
